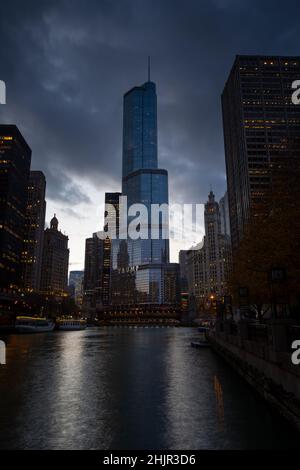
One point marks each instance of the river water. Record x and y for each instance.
(124, 388)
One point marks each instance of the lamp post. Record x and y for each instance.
(277, 277)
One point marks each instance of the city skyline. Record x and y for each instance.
(83, 71)
(149, 228)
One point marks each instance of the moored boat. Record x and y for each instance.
(70, 324)
(202, 342)
(33, 324)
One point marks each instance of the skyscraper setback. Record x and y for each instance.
(261, 131)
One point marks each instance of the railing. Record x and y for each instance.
(258, 332)
(293, 333)
(233, 329)
(279, 336)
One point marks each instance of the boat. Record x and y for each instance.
(70, 324)
(33, 324)
(203, 329)
(202, 342)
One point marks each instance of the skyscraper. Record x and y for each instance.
(143, 183)
(15, 158)
(55, 263)
(261, 131)
(110, 244)
(34, 232)
(217, 248)
(184, 270)
(224, 215)
(93, 274)
(76, 285)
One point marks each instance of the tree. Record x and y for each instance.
(271, 239)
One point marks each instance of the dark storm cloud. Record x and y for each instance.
(67, 64)
(61, 187)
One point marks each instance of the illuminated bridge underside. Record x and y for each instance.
(140, 315)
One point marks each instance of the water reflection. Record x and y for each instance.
(219, 403)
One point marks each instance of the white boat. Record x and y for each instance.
(33, 324)
(69, 324)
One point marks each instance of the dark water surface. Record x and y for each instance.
(114, 388)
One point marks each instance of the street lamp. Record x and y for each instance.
(277, 277)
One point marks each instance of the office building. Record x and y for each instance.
(55, 262)
(224, 215)
(110, 243)
(15, 158)
(76, 286)
(261, 131)
(93, 274)
(34, 232)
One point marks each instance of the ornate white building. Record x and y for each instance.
(208, 265)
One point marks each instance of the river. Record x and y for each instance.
(129, 388)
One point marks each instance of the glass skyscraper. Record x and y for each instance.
(141, 263)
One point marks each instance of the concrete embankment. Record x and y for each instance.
(261, 354)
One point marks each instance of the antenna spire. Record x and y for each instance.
(149, 68)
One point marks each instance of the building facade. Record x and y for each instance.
(261, 130)
(15, 158)
(32, 252)
(55, 262)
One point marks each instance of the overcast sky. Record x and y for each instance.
(68, 63)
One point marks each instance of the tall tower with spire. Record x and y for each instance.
(216, 248)
(143, 182)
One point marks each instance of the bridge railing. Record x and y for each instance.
(258, 332)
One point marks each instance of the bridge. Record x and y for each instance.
(140, 315)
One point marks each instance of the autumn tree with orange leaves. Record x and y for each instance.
(272, 239)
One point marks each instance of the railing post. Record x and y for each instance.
(243, 329)
(278, 330)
